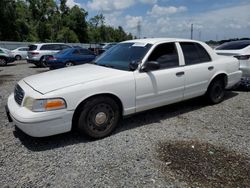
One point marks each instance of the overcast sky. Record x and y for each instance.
(212, 19)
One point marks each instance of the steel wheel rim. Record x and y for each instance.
(2, 62)
(218, 92)
(100, 118)
(69, 64)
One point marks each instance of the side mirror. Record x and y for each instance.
(133, 65)
(150, 65)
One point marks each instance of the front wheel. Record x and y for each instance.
(69, 64)
(99, 117)
(3, 62)
(216, 92)
(18, 57)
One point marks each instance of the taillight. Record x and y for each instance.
(34, 53)
(242, 57)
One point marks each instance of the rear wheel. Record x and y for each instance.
(216, 91)
(3, 61)
(18, 57)
(99, 117)
(69, 64)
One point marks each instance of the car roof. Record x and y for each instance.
(48, 43)
(5, 49)
(159, 40)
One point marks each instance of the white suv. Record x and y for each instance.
(131, 77)
(38, 52)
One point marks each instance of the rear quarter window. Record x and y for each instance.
(32, 47)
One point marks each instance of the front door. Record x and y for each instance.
(163, 86)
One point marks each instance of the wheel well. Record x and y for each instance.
(41, 58)
(2, 57)
(222, 76)
(78, 108)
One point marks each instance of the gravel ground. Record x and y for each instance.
(134, 155)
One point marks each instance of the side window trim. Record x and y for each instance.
(180, 54)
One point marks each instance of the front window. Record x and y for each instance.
(121, 55)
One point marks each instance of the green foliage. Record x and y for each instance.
(47, 21)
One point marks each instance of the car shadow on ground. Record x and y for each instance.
(132, 122)
(10, 65)
(167, 112)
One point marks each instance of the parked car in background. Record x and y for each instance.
(38, 52)
(5, 57)
(131, 77)
(102, 47)
(69, 57)
(20, 53)
(240, 50)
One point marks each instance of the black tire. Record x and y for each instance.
(69, 64)
(216, 91)
(3, 61)
(99, 117)
(18, 57)
(42, 62)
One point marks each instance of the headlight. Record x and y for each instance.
(42, 105)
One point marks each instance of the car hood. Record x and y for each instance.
(61, 78)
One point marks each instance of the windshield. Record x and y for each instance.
(121, 55)
(235, 45)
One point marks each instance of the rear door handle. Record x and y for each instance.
(210, 68)
(180, 73)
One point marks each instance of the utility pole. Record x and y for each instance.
(192, 30)
(139, 29)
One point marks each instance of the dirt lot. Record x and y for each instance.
(189, 144)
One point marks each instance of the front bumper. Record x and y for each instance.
(39, 124)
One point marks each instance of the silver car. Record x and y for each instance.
(20, 53)
(5, 57)
(38, 52)
(240, 50)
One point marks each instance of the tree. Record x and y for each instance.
(48, 21)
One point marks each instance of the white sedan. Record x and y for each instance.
(131, 77)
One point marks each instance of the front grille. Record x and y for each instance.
(18, 94)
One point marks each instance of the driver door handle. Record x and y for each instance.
(210, 68)
(180, 73)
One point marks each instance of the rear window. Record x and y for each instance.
(32, 47)
(235, 45)
(50, 47)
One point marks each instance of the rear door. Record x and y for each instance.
(198, 69)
